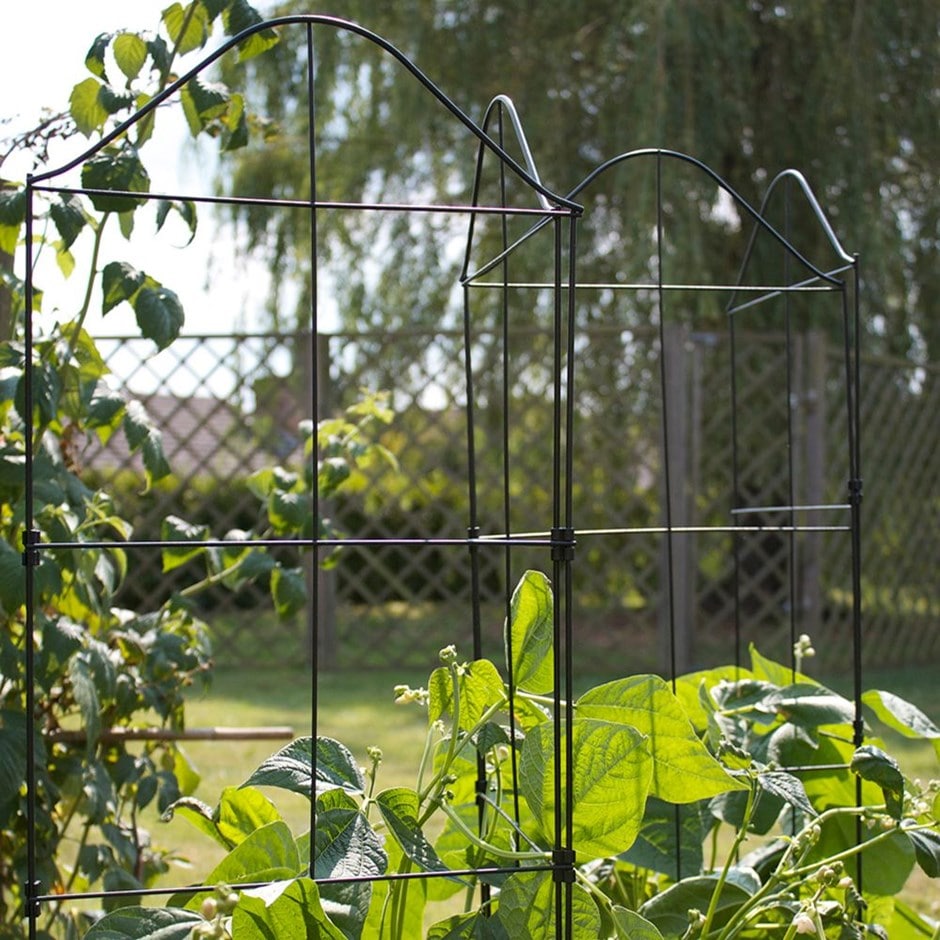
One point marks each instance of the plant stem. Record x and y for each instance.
(739, 837)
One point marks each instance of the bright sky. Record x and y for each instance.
(44, 53)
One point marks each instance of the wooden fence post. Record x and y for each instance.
(676, 624)
(814, 404)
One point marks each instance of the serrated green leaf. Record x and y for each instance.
(530, 634)
(399, 808)
(86, 108)
(174, 529)
(239, 16)
(119, 170)
(68, 216)
(94, 58)
(160, 315)
(113, 101)
(292, 766)
(144, 437)
(12, 216)
(288, 590)
(527, 908)
(85, 692)
(47, 392)
(130, 53)
(235, 121)
(145, 923)
(684, 771)
(187, 27)
(202, 103)
(119, 282)
(186, 210)
(12, 578)
(288, 511)
(13, 732)
(611, 776)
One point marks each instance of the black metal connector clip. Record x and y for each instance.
(563, 861)
(31, 537)
(563, 543)
(855, 492)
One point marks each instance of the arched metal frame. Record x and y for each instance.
(559, 214)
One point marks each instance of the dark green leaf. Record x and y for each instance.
(119, 170)
(239, 16)
(119, 282)
(669, 910)
(47, 391)
(85, 691)
(159, 53)
(105, 410)
(473, 926)
(94, 58)
(113, 101)
(186, 211)
(13, 731)
(145, 923)
(927, 851)
(900, 715)
(871, 763)
(399, 809)
(288, 590)
(291, 768)
(143, 436)
(68, 217)
(656, 846)
(12, 579)
(811, 706)
(159, 315)
(202, 103)
(288, 511)
(347, 846)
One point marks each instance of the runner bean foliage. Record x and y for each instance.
(717, 749)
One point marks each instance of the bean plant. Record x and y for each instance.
(660, 771)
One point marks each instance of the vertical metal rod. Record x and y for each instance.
(791, 495)
(32, 887)
(315, 451)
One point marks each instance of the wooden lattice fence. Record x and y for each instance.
(228, 405)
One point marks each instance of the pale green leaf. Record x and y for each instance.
(683, 769)
(241, 811)
(188, 27)
(480, 686)
(130, 53)
(283, 909)
(238, 16)
(530, 634)
(631, 926)
(611, 779)
(86, 108)
(527, 908)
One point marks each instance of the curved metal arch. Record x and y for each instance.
(757, 215)
(315, 19)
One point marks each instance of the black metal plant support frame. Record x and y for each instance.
(560, 215)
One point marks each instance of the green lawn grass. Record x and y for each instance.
(358, 709)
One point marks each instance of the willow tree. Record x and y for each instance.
(845, 92)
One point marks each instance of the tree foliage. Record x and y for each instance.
(845, 93)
